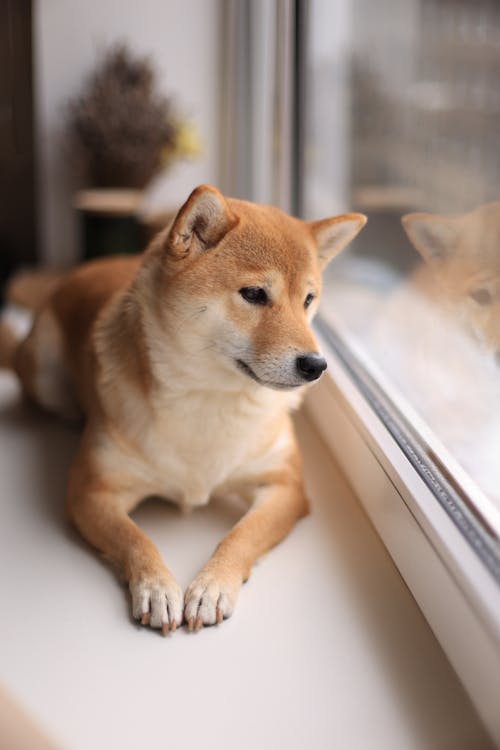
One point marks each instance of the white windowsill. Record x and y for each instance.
(324, 633)
(455, 592)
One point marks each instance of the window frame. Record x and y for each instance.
(455, 592)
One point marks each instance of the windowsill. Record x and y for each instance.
(455, 592)
(325, 631)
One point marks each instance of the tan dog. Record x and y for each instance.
(462, 269)
(186, 362)
(437, 337)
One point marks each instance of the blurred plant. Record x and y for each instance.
(186, 143)
(123, 131)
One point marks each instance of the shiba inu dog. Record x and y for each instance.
(462, 266)
(185, 362)
(431, 338)
(456, 298)
(436, 337)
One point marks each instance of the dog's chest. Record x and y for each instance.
(198, 443)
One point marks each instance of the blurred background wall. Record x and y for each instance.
(182, 38)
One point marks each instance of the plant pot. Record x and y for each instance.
(109, 222)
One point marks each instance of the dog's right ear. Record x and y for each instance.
(201, 223)
(332, 235)
(433, 235)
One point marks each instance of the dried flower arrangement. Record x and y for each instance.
(123, 131)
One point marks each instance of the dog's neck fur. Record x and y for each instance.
(133, 381)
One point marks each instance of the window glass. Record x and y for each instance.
(402, 123)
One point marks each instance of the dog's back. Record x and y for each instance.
(53, 361)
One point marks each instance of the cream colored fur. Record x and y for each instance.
(186, 385)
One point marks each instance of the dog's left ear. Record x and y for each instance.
(434, 236)
(201, 223)
(332, 235)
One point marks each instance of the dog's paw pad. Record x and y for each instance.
(157, 602)
(209, 600)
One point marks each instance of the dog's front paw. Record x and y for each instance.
(157, 601)
(210, 599)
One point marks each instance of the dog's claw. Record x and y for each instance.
(157, 603)
(210, 599)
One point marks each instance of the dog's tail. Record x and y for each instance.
(31, 289)
(28, 291)
(8, 346)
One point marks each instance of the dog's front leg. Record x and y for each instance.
(99, 509)
(212, 595)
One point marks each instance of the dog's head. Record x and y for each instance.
(464, 253)
(242, 283)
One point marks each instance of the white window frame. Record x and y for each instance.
(456, 593)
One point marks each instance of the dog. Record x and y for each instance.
(433, 337)
(185, 362)
(462, 267)
(455, 297)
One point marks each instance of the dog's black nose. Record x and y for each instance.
(310, 366)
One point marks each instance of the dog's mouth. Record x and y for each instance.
(251, 374)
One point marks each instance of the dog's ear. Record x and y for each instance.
(433, 235)
(332, 235)
(204, 219)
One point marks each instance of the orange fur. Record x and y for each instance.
(32, 289)
(148, 348)
(462, 269)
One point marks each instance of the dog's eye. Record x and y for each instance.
(308, 301)
(481, 296)
(255, 295)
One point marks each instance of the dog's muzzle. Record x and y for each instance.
(310, 366)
